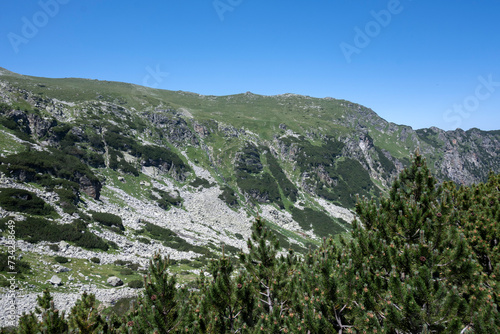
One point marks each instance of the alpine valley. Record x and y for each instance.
(97, 176)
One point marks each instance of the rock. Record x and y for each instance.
(55, 280)
(114, 281)
(63, 245)
(90, 187)
(60, 269)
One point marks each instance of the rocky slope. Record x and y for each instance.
(123, 171)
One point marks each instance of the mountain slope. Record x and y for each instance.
(185, 174)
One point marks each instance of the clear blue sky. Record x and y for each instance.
(421, 63)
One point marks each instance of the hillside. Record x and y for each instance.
(113, 172)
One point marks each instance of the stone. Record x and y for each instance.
(55, 280)
(63, 245)
(60, 269)
(114, 281)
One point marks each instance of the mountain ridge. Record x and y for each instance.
(138, 170)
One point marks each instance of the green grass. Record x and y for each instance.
(42, 270)
(8, 144)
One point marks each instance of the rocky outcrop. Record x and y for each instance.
(91, 187)
(173, 127)
(467, 156)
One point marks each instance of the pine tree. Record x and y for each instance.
(409, 266)
(272, 278)
(160, 309)
(85, 317)
(52, 321)
(227, 304)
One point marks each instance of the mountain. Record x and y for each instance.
(105, 174)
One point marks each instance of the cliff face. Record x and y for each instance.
(466, 157)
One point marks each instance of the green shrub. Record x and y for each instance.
(108, 219)
(24, 201)
(54, 247)
(249, 161)
(229, 196)
(28, 165)
(166, 201)
(136, 284)
(20, 266)
(4, 108)
(199, 182)
(34, 230)
(288, 188)
(262, 188)
(61, 259)
(133, 266)
(144, 240)
(95, 260)
(68, 200)
(170, 239)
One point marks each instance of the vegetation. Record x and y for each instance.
(319, 221)
(424, 259)
(108, 219)
(20, 266)
(170, 239)
(288, 188)
(34, 230)
(229, 196)
(200, 182)
(18, 200)
(54, 163)
(165, 200)
(61, 259)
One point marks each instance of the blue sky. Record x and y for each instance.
(415, 62)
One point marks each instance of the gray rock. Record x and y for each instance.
(114, 281)
(60, 269)
(55, 280)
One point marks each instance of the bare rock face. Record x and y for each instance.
(90, 187)
(114, 281)
(201, 130)
(38, 126)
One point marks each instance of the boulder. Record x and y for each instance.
(55, 280)
(114, 281)
(60, 269)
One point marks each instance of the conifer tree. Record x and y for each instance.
(227, 304)
(52, 321)
(409, 265)
(160, 308)
(271, 278)
(85, 317)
